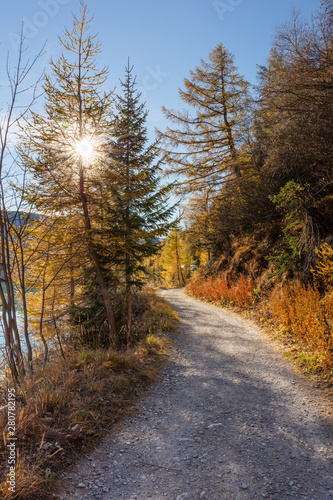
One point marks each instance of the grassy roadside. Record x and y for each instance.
(296, 317)
(67, 407)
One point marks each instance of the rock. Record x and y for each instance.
(213, 426)
(81, 485)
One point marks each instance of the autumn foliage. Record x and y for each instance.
(307, 317)
(300, 313)
(239, 292)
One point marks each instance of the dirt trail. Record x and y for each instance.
(229, 419)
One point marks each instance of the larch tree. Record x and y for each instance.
(198, 224)
(175, 259)
(141, 214)
(64, 148)
(204, 145)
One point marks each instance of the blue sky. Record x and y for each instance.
(164, 39)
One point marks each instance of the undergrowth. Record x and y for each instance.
(298, 315)
(66, 407)
(304, 317)
(240, 292)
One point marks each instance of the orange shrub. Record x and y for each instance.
(305, 314)
(236, 292)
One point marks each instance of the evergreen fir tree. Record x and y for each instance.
(141, 214)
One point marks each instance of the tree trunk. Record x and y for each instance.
(12, 337)
(128, 275)
(25, 310)
(93, 254)
(179, 267)
(232, 148)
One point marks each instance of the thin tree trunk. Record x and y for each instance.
(179, 269)
(233, 152)
(72, 282)
(56, 326)
(128, 276)
(129, 301)
(46, 348)
(12, 338)
(25, 311)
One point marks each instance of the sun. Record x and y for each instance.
(85, 150)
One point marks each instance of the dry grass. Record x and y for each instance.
(66, 407)
(156, 316)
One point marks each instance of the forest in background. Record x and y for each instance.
(256, 168)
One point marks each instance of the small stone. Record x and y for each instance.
(203, 494)
(244, 486)
(81, 485)
(213, 426)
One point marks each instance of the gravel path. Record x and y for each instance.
(229, 419)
